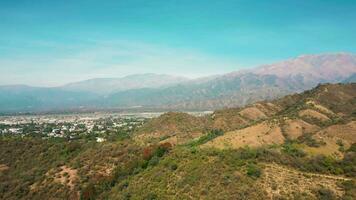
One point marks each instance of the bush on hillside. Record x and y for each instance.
(292, 149)
(206, 138)
(310, 141)
(253, 171)
(325, 194)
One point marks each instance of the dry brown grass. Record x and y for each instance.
(274, 107)
(345, 132)
(3, 167)
(67, 176)
(268, 108)
(329, 148)
(63, 175)
(252, 113)
(279, 181)
(295, 128)
(169, 125)
(174, 139)
(254, 136)
(331, 136)
(228, 119)
(313, 114)
(320, 107)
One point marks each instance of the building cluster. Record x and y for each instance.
(71, 126)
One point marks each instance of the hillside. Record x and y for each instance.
(316, 122)
(324, 116)
(172, 127)
(315, 126)
(307, 114)
(301, 146)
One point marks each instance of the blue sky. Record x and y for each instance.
(49, 43)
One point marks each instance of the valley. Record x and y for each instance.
(301, 146)
(178, 100)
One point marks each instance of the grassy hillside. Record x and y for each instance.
(301, 146)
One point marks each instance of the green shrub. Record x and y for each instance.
(350, 189)
(352, 148)
(325, 194)
(151, 196)
(206, 138)
(310, 141)
(292, 149)
(253, 171)
(174, 167)
(153, 161)
(248, 153)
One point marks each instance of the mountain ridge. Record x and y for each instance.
(105, 86)
(315, 110)
(207, 93)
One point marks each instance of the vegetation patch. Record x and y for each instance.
(207, 137)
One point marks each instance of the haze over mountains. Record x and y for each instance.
(178, 93)
(112, 85)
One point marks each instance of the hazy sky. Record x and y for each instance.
(48, 43)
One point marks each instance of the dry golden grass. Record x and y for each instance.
(279, 181)
(295, 128)
(268, 108)
(228, 120)
(252, 113)
(254, 136)
(180, 125)
(329, 148)
(345, 132)
(320, 107)
(313, 114)
(3, 167)
(174, 139)
(66, 176)
(332, 136)
(274, 107)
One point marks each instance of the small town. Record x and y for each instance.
(99, 127)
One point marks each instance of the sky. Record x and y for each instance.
(50, 43)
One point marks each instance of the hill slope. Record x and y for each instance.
(267, 122)
(281, 149)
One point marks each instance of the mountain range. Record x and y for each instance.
(104, 86)
(178, 93)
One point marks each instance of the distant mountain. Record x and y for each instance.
(313, 68)
(351, 79)
(137, 81)
(220, 92)
(243, 87)
(176, 93)
(20, 98)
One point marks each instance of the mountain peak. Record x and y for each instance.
(331, 66)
